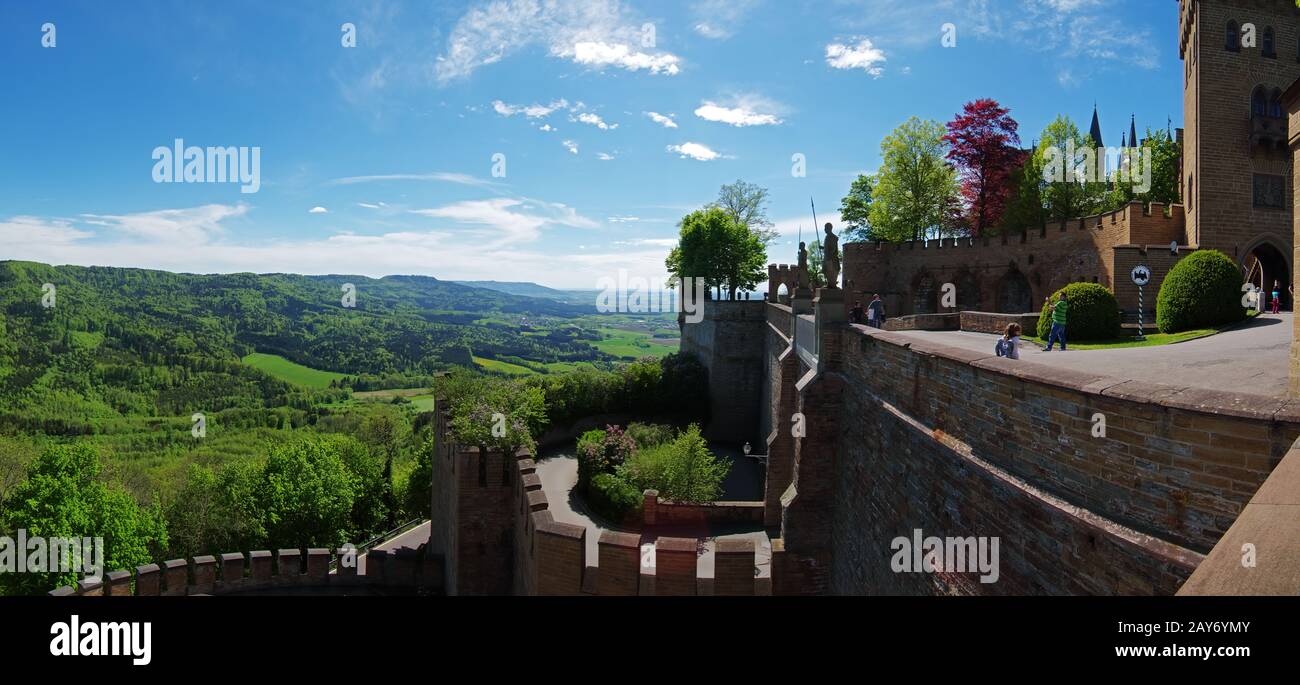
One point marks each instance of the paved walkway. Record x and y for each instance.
(1252, 358)
(559, 474)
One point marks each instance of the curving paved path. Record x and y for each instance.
(1252, 358)
(558, 472)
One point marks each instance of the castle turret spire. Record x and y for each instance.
(1095, 130)
(1132, 130)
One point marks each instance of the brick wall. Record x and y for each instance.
(958, 443)
(1220, 161)
(1001, 273)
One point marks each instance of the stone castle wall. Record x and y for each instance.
(726, 343)
(1008, 273)
(957, 443)
(288, 571)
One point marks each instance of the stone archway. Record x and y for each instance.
(1015, 296)
(968, 291)
(925, 294)
(1264, 264)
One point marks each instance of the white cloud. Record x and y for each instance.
(192, 225)
(601, 54)
(594, 120)
(442, 176)
(511, 220)
(597, 33)
(604, 156)
(318, 210)
(369, 205)
(695, 151)
(546, 127)
(533, 111)
(570, 146)
(662, 120)
(648, 242)
(746, 110)
(38, 231)
(440, 251)
(863, 55)
(622, 219)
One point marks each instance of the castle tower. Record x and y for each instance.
(1238, 57)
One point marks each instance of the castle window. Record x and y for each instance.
(1268, 42)
(1275, 104)
(1258, 102)
(1233, 36)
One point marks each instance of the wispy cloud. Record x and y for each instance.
(530, 111)
(439, 176)
(594, 120)
(662, 120)
(720, 19)
(511, 220)
(570, 145)
(599, 33)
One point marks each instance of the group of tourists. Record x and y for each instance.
(1009, 344)
(872, 315)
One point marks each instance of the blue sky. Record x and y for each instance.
(392, 142)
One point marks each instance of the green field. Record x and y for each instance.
(621, 342)
(503, 367)
(291, 372)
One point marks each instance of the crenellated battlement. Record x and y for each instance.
(287, 571)
(1168, 217)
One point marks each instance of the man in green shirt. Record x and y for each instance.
(1059, 311)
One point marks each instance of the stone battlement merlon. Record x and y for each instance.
(262, 572)
(1049, 231)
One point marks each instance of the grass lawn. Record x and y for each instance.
(1152, 339)
(292, 372)
(503, 367)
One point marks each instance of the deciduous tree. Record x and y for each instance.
(984, 146)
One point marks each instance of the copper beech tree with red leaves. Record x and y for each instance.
(985, 148)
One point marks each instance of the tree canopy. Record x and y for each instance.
(984, 146)
(915, 188)
(714, 247)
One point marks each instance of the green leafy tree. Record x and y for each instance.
(1025, 208)
(746, 203)
(855, 209)
(816, 277)
(308, 493)
(684, 470)
(1164, 154)
(714, 247)
(916, 188)
(62, 497)
(1062, 153)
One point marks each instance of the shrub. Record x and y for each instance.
(1202, 290)
(601, 451)
(1093, 313)
(613, 498)
(650, 434)
(683, 470)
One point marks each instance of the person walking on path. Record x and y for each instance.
(876, 311)
(1060, 311)
(1277, 296)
